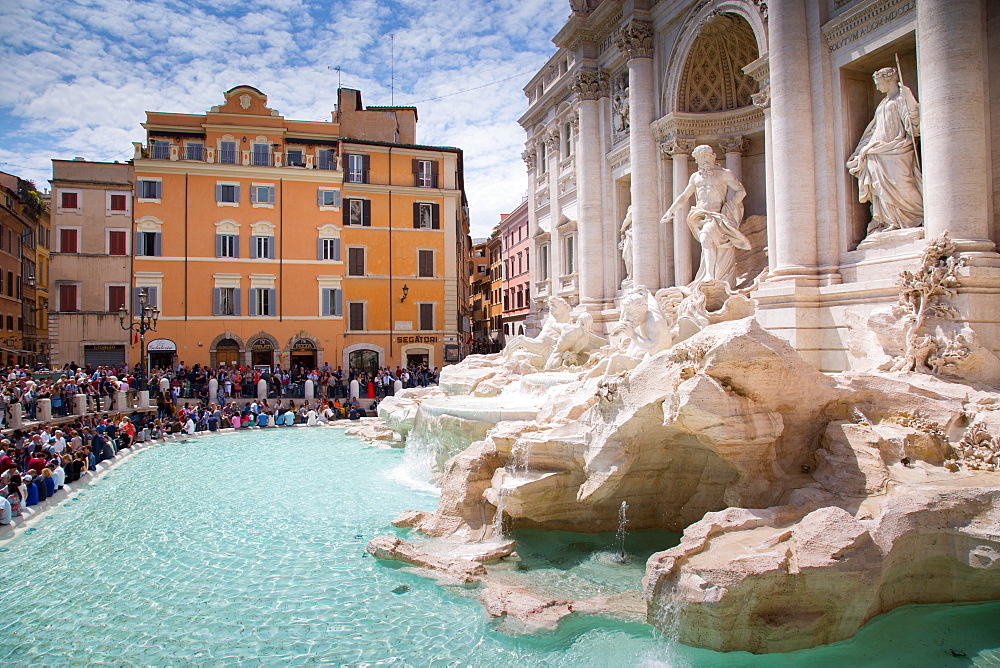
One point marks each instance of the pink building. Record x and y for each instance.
(516, 270)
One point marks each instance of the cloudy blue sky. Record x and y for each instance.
(77, 76)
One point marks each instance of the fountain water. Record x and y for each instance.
(518, 464)
(621, 556)
(860, 417)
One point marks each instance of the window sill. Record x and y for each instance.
(329, 208)
(263, 206)
(116, 213)
(227, 204)
(143, 200)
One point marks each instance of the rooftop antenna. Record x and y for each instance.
(338, 74)
(392, 69)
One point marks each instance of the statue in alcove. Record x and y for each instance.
(885, 161)
(715, 217)
(626, 244)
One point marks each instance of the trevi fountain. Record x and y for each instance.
(784, 352)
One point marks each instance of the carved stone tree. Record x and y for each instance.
(921, 296)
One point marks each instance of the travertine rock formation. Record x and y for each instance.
(872, 489)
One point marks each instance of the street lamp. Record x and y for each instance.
(147, 317)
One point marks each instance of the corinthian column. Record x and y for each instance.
(680, 150)
(636, 43)
(590, 86)
(734, 148)
(794, 173)
(950, 60)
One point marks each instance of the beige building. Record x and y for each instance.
(91, 261)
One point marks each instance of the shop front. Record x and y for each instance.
(262, 353)
(162, 353)
(303, 353)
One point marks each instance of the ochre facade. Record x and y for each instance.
(269, 241)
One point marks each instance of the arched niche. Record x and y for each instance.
(708, 14)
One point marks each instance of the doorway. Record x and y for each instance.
(227, 353)
(303, 354)
(262, 354)
(416, 358)
(363, 360)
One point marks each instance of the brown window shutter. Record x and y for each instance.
(434, 174)
(347, 212)
(416, 215)
(435, 216)
(367, 209)
(366, 160)
(416, 172)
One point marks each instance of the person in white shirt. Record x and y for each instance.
(4, 510)
(189, 426)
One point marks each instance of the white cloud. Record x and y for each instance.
(78, 77)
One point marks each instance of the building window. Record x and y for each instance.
(356, 316)
(116, 297)
(117, 242)
(425, 263)
(10, 284)
(227, 245)
(295, 158)
(544, 265)
(358, 212)
(152, 293)
(10, 323)
(263, 247)
(148, 189)
(327, 197)
(262, 194)
(69, 200)
(68, 293)
(148, 243)
(118, 203)
(227, 193)
(357, 168)
(226, 301)
(261, 156)
(329, 249)
(262, 301)
(161, 150)
(324, 159)
(426, 316)
(194, 151)
(333, 302)
(227, 152)
(567, 139)
(425, 173)
(69, 240)
(570, 255)
(355, 261)
(542, 158)
(426, 216)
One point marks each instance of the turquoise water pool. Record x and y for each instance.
(249, 548)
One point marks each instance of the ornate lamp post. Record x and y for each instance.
(147, 317)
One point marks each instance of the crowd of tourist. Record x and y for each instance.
(35, 463)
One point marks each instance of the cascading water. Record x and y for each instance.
(518, 463)
(860, 417)
(621, 557)
(416, 471)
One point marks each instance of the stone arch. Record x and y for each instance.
(227, 335)
(744, 15)
(303, 334)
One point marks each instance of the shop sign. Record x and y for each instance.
(103, 346)
(262, 344)
(303, 344)
(416, 339)
(161, 345)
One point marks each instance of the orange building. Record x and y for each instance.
(270, 241)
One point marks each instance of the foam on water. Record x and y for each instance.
(249, 548)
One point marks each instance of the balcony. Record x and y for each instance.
(298, 159)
